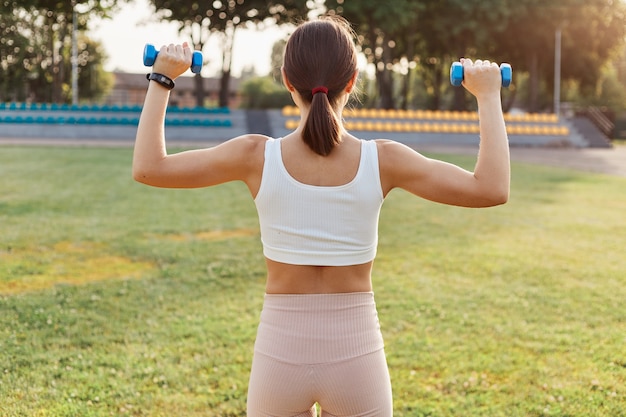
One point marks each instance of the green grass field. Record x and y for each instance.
(120, 299)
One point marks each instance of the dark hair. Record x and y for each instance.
(321, 53)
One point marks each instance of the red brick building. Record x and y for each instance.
(130, 89)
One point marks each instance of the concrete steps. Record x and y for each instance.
(584, 128)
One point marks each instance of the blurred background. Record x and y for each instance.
(567, 55)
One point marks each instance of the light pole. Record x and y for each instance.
(557, 71)
(74, 55)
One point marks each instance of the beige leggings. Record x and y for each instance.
(319, 348)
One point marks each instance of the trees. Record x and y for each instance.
(381, 26)
(264, 93)
(405, 41)
(94, 82)
(433, 33)
(199, 20)
(592, 30)
(14, 54)
(35, 48)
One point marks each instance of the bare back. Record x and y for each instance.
(306, 167)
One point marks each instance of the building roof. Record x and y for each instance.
(124, 80)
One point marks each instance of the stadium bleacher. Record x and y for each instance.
(120, 115)
(429, 121)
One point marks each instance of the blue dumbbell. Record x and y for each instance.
(150, 54)
(456, 74)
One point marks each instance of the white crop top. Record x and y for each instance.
(304, 224)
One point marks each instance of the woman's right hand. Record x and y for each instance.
(173, 60)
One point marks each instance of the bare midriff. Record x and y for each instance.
(309, 279)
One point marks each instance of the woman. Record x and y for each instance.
(318, 193)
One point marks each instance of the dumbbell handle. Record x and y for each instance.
(150, 54)
(456, 74)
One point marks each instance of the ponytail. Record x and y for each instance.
(321, 53)
(322, 128)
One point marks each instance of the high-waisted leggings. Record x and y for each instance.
(319, 348)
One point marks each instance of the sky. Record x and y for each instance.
(125, 35)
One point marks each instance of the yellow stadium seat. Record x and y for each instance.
(470, 116)
(454, 128)
(291, 111)
(462, 128)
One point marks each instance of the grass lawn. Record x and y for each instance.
(120, 299)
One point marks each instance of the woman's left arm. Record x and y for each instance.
(236, 159)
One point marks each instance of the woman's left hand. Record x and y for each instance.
(173, 60)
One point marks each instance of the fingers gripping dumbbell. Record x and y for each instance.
(456, 74)
(150, 54)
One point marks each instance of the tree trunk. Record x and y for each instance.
(385, 78)
(198, 42)
(224, 89)
(507, 104)
(406, 82)
(438, 80)
(199, 90)
(533, 83)
(227, 60)
(385, 100)
(55, 60)
(459, 102)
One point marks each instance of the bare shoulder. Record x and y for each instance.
(245, 150)
(250, 144)
(390, 146)
(391, 153)
(399, 164)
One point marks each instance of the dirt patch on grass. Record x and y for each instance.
(71, 263)
(208, 235)
(75, 263)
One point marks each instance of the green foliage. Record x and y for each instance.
(427, 35)
(435, 33)
(591, 32)
(35, 50)
(264, 93)
(200, 20)
(276, 61)
(93, 81)
(380, 25)
(511, 311)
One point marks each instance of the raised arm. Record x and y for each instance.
(237, 159)
(488, 184)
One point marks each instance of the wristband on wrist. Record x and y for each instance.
(163, 80)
